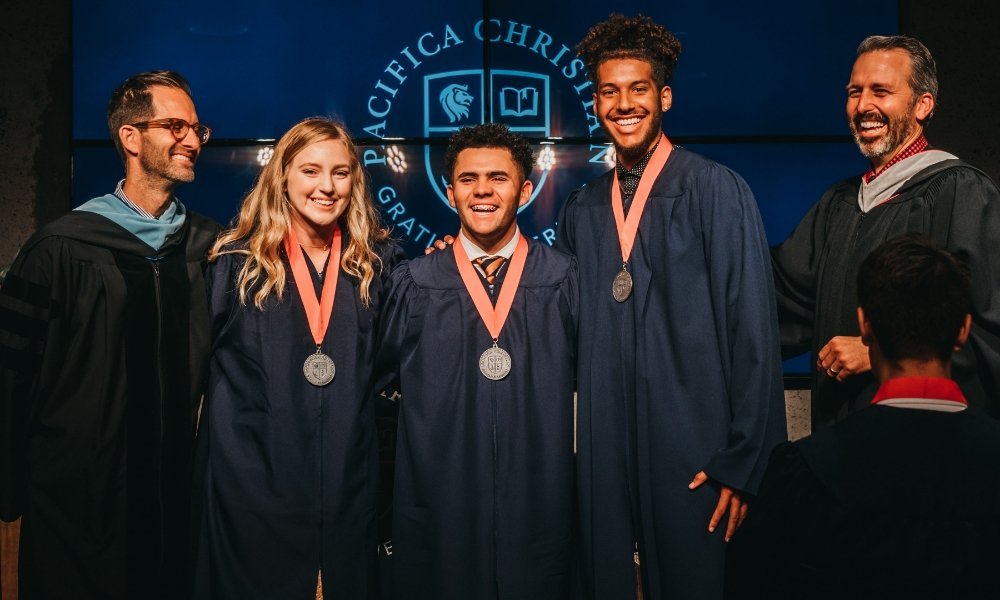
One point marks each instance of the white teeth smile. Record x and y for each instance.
(323, 201)
(486, 208)
(872, 125)
(183, 157)
(628, 122)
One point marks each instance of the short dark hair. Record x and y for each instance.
(490, 135)
(915, 296)
(923, 69)
(637, 37)
(132, 101)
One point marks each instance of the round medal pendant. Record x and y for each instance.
(495, 363)
(621, 287)
(319, 369)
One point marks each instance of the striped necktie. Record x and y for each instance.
(489, 266)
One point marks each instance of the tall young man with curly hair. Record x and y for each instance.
(679, 375)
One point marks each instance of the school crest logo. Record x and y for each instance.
(519, 101)
(436, 85)
(455, 101)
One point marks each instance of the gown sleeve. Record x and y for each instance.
(743, 299)
(974, 235)
(395, 327)
(27, 308)
(565, 231)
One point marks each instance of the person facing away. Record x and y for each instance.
(679, 376)
(897, 500)
(891, 97)
(287, 440)
(104, 348)
(481, 337)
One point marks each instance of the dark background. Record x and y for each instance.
(759, 88)
(755, 79)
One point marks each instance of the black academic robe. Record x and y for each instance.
(289, 468)
(816, 269)
(483, 496)
(104, 344)
(890, 503)
(683, 376)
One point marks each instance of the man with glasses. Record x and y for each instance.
(103, 337)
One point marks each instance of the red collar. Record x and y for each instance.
(918, 146)
(937, 388)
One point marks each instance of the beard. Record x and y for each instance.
(156, 161)
(898, 129)
(636, 151)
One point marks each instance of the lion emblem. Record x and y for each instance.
(455, 100)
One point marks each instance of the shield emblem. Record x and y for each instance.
(453, 100)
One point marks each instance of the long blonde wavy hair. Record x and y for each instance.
(264, 219)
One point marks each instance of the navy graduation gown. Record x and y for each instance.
(684, 376)
(289, 468)
(483, 496)
(831, 521)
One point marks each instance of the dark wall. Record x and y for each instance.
(35, 113)
(35, 108)
(963, 37)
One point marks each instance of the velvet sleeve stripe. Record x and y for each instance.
(25, 291)
(24, 314)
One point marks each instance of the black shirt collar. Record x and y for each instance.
(628, 179)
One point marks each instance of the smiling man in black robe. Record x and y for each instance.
(679, 378)
(891, 96)
(104, 339)
(481, 337)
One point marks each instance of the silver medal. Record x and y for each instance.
(319, 369)
(495, 363)
(621, 287)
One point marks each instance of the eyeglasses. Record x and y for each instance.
(178, 127)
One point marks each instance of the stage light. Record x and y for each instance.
(546, 157)
(396, 159)
(264, 155)
(610, 156)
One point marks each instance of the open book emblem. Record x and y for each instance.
(521, 102)
(456, 99)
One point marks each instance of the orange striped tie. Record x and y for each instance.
(488, 266)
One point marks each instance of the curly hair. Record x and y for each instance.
(637, 37)
(264, 218)
(490, 135)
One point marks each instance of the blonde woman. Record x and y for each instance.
(287, 432)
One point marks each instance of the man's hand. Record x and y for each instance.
(842, 357)
(729, 500)
(440, 244)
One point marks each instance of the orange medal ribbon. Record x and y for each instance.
(493, 316)
(628, 227)
(317, 313)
